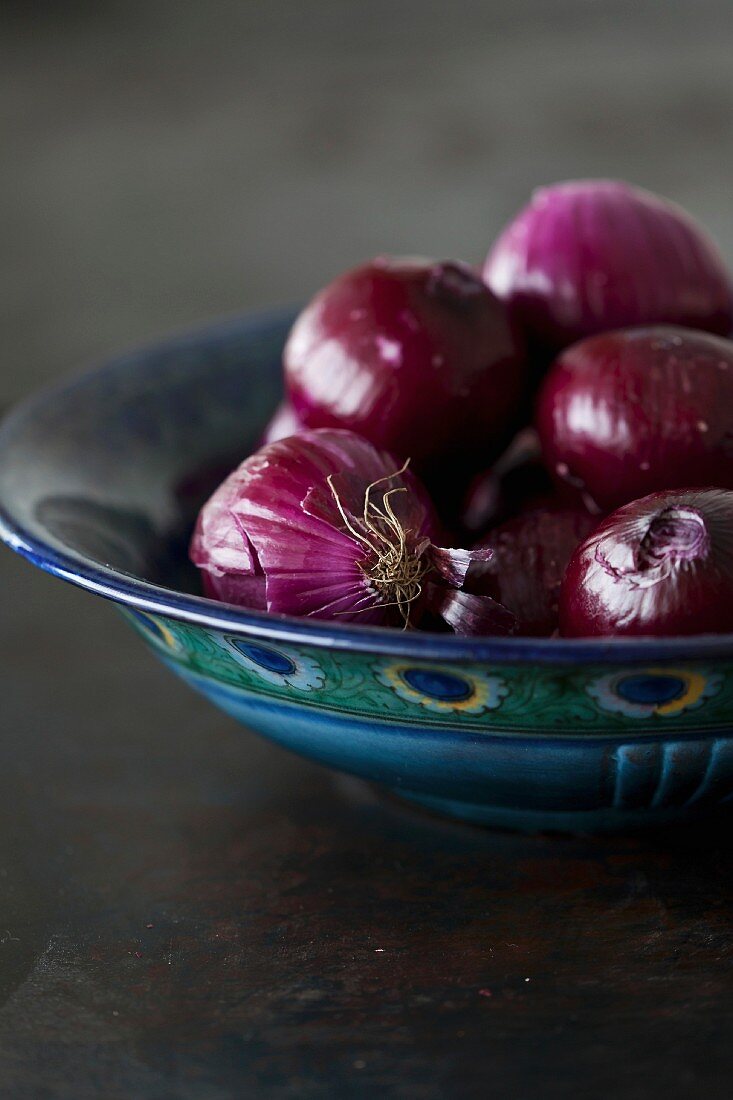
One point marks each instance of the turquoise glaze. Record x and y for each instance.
(100, 480)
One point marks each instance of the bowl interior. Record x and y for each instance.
(113, 467)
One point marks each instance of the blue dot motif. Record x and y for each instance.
(649, 690)
(438, 685)
(269, 659)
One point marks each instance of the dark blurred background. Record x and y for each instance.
(161, 162)
(166, 160)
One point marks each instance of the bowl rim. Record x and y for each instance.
(142, 595)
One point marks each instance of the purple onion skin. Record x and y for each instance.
(517, 482)
(271, 536)
(661, 566)
(628, 413)
(531, 553)
(283, 422)
(321, 524)
(594, 255)
(416, 356)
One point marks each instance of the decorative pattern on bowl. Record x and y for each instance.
(579, 701)
(592, 716)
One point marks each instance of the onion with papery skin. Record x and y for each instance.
(662, 565)
(419, 357)
(531, 552)
(322, 524)
(628, 413)
(593, 255)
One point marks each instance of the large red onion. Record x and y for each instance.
(323, 524)
(661, 565)
(418, 357)
(593, 255)
(627, 413)
(531, 552)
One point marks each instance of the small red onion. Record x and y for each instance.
(323, 524)
(418, 357)
(518, 481)
(628, 413)
(283, 422)
(482, 503)
(531, 552)
(593, 255)
(658, 566)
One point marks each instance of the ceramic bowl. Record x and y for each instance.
(100, 479)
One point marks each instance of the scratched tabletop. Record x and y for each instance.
(187, 912)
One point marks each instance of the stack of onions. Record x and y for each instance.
(408, 379)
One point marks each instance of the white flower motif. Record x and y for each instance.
(643, 692)
(277, 666)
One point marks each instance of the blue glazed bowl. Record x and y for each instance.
(100, 480)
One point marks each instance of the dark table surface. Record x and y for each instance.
(185, 911)
(190, 912)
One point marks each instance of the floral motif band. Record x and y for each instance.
(583, 700)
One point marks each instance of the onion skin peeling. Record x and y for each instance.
(322, 524)
(658, 566)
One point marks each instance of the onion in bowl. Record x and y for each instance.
(628, 413)
(323, 525)
(517, 482)
(589, 256)
(662, 565)
(524, 574)
(281, 424)
(416, 356)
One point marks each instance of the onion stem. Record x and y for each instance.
(398, 567)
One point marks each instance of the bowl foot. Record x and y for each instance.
(539, 821)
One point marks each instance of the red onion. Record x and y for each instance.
(531, 552)
(282, 423)
(518, 481)
(323, 524)
(593, 255)
(416, 356)
(661, 565)
(627, 413)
